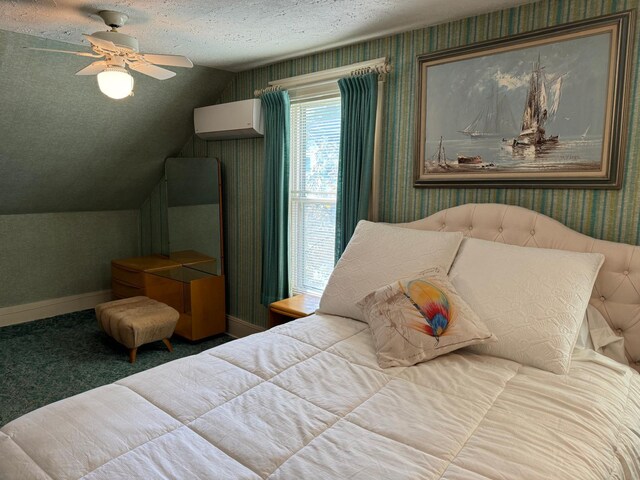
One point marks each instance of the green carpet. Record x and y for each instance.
(51, 359)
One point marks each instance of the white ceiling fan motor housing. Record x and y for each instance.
(119, 40)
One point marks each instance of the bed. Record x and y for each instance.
(309, 399)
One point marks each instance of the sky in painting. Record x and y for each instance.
(458, 90)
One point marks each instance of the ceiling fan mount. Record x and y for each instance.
(113, 19)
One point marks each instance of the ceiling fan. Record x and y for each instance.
(119, 51)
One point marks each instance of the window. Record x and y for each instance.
(313, 184)
(315, 144)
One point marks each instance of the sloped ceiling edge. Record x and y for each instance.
(64, 146)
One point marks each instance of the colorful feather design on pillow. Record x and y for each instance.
(432, 303)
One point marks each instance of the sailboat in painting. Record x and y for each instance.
(495, 119)
(541, 105)
(440, 157)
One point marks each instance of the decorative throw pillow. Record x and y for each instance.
(416, 320)
(532, 299)
(378, 254)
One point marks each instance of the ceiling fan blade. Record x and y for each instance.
(79, 54)
(152, 70)
(168, 60)
(93, 69)
(104, 44)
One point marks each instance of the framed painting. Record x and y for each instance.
(547, 108)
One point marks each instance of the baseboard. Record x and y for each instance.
(51, 307)
(238, 328)
(28, 312)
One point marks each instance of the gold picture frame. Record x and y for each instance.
(548, 109)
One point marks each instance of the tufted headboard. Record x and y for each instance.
(616, 293)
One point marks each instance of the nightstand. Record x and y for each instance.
(288, 309)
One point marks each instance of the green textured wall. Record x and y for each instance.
(53, 255)
(610, 214)
(64, 146)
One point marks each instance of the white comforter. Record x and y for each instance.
(307, 400)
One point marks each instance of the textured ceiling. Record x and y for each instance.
(238, 35)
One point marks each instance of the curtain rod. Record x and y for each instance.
(325, 76)
(379, 69)
(261, 91)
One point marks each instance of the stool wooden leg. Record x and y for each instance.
(168, 344)
(132, 354)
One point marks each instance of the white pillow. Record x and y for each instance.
(379, 254)
(596, 334)
(584, 338)
(532, 299)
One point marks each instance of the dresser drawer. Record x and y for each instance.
(124, 290)
(127, 276)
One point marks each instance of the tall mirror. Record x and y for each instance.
(181, 236)
(194, 213)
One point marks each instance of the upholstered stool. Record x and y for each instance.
(137, 320)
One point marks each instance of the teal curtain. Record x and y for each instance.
(275, 226)
(359, 96)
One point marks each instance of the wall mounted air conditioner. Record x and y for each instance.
(229, 120)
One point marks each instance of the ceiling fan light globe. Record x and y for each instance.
(115, 83)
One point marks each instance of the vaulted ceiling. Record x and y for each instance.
(64, 146)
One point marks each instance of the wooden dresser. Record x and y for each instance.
(184, 282)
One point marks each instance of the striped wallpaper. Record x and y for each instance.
(608, 214)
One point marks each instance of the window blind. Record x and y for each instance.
(315, 145)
